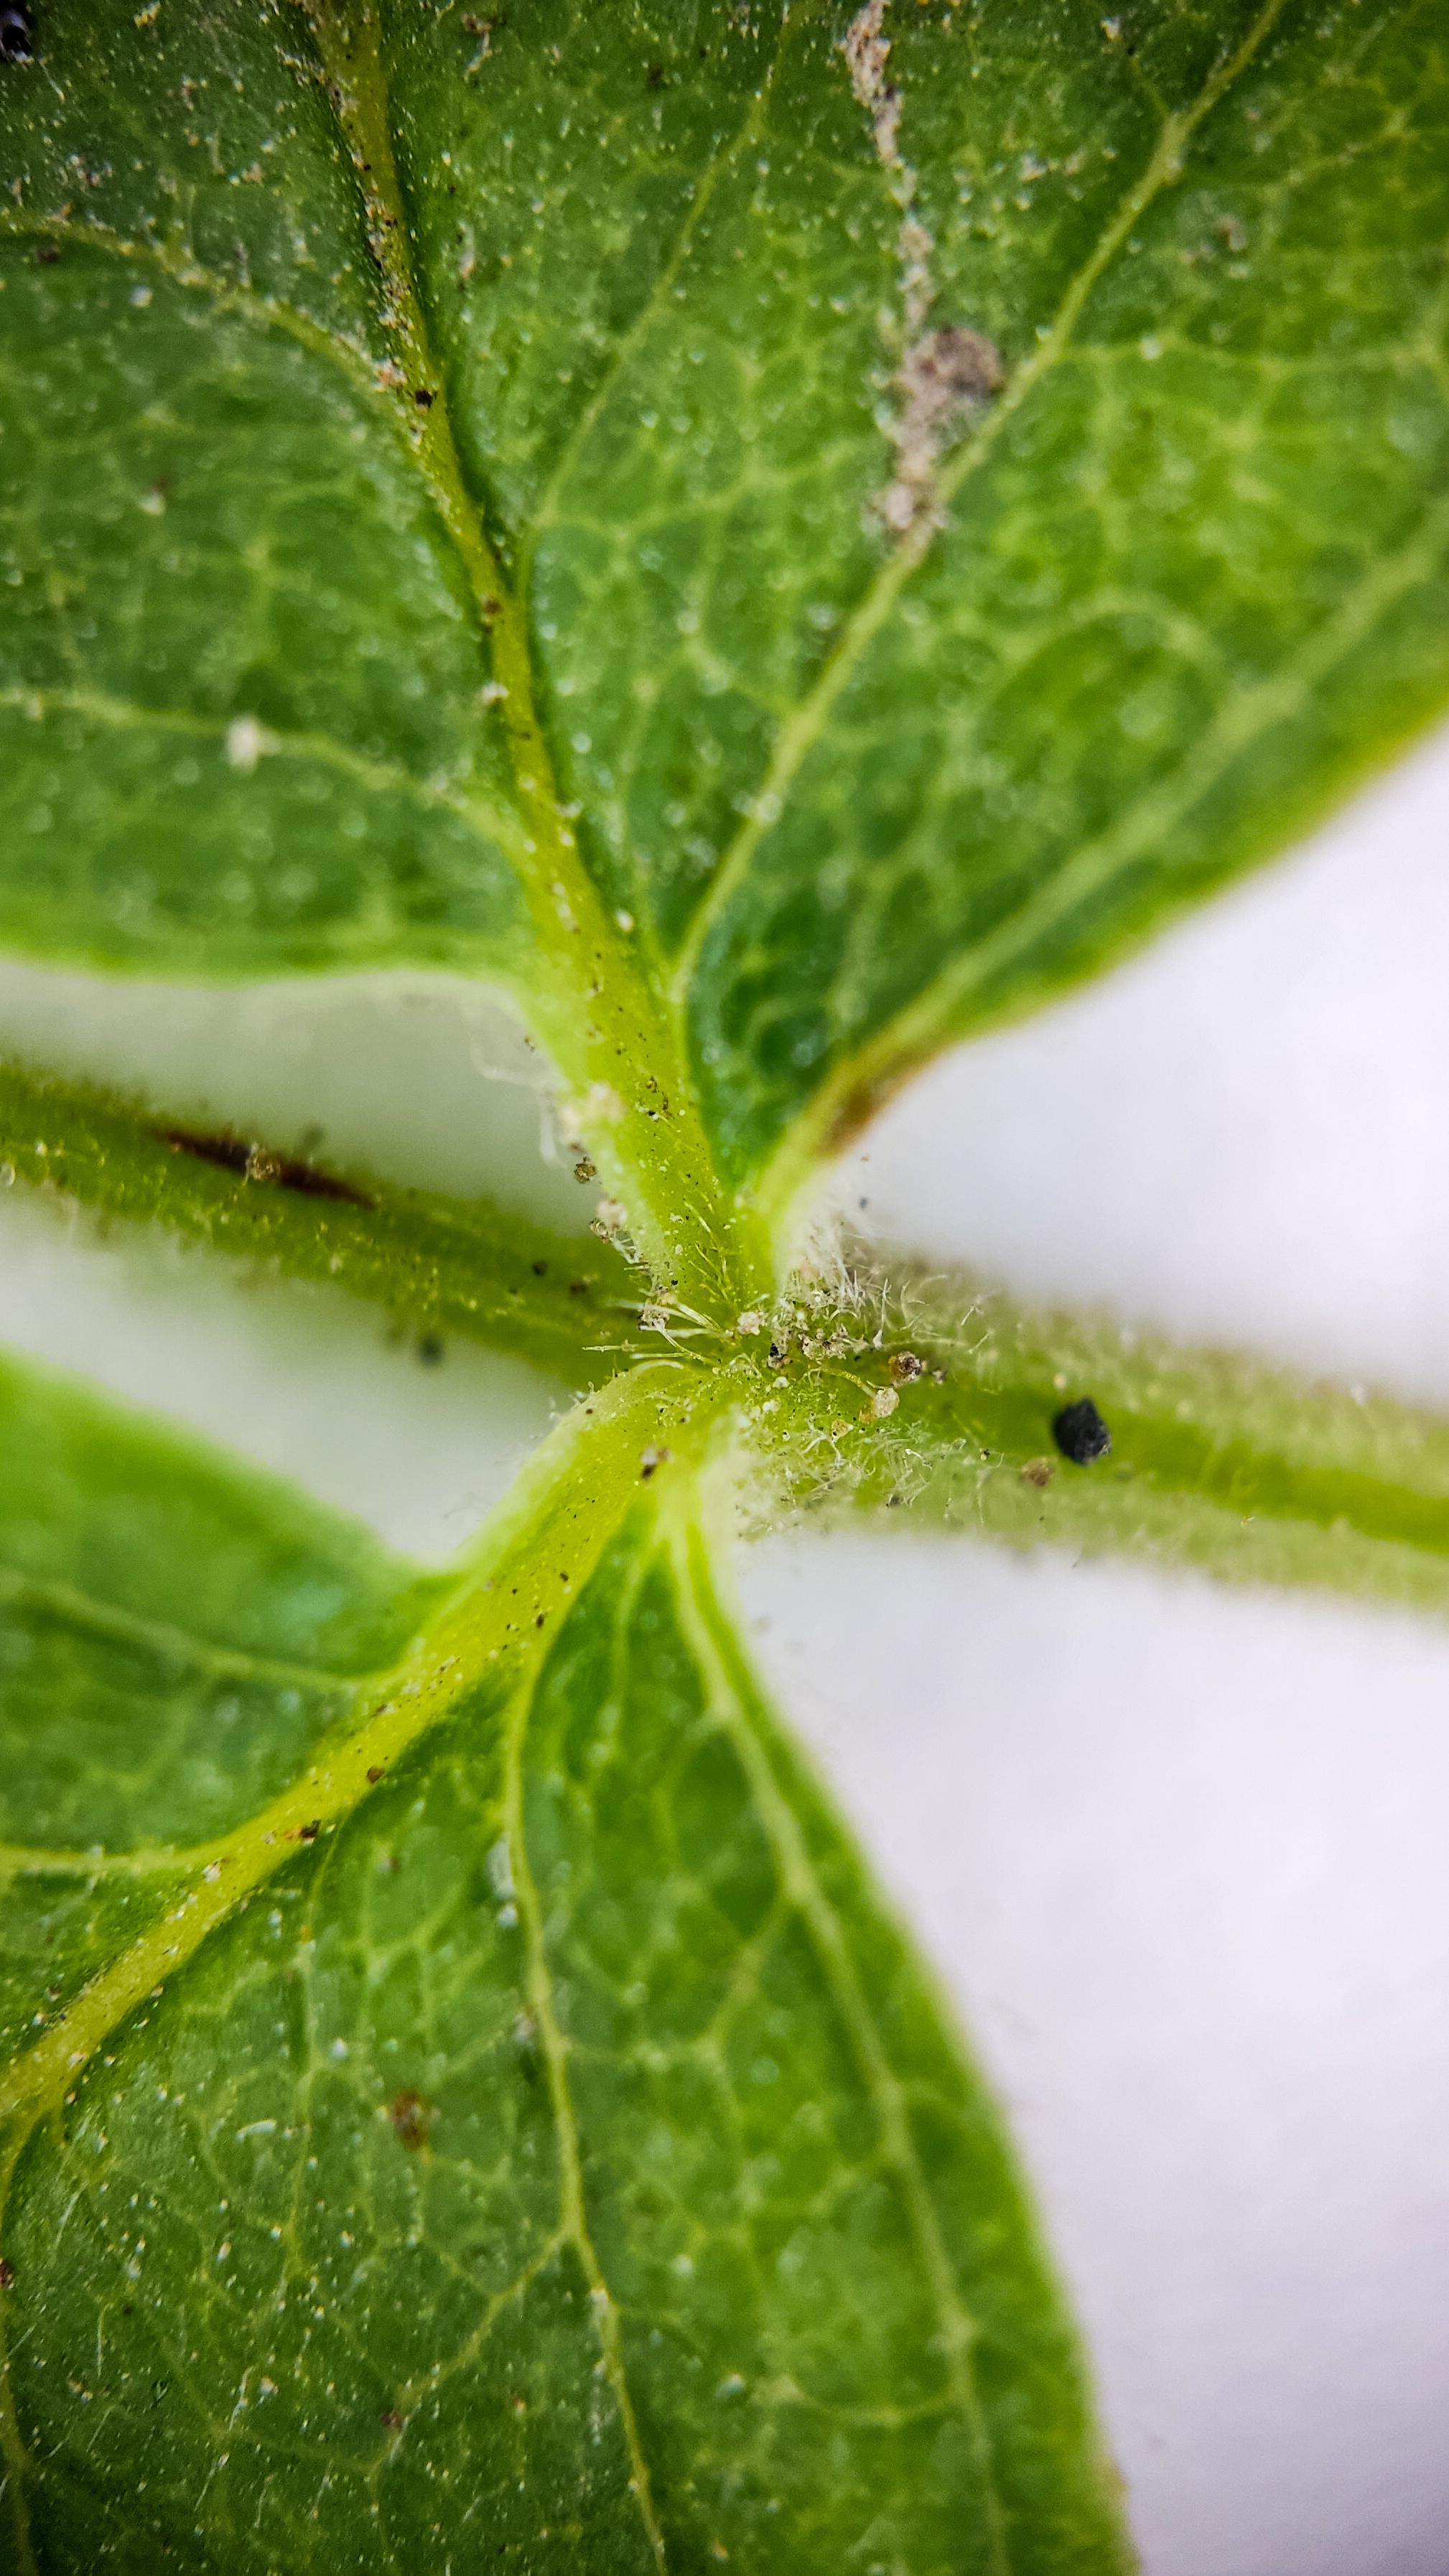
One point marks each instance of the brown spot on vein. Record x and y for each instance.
(254, 1163)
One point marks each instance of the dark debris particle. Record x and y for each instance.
(47, 254)
(309, 1833)
(16, 30)
(1080, 1433)
(655, 75)
(540, 1269)
(254, 1163)
(430, 1349)
(392, 2419)
(424, 397)
(578, 1287)
(374, 1774)
(411, 2119)
(650, 1460)
(7, 2274)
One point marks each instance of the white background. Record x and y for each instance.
(1181, 1854)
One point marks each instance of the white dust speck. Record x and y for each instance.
(246, 742)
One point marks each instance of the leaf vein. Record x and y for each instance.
(799, 736)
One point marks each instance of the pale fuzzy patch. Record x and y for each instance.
(944, 376)
(867, 53)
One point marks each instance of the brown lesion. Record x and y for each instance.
(412, 2119)
(252, 1162)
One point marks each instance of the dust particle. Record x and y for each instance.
(1080, 1433)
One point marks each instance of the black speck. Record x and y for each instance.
(47, 255)
(430, 1349)
(16, 31)
(423, 397)
(308, 1833)
(540, 1269)
(1080, 1433)
(655, 75)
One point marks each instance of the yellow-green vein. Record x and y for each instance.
(719, 1656)
(798, 737)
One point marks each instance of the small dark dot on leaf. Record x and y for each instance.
(1080, 1433)
(430, 1349)
(392, 2419)
(423, 397)
(309, 1833)
(375, 1773)
(47, 255)
(540, 1269)
(7, 2274)
(656, 75)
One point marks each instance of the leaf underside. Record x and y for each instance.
(589, 396)
(775, 537)
(559, 2146)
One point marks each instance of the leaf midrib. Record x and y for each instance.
(455, 1656)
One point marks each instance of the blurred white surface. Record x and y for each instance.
(1181, 1855)
(1241, 1134)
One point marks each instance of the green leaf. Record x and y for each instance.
(543, 2147)
(775, 537)
(417, 429)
